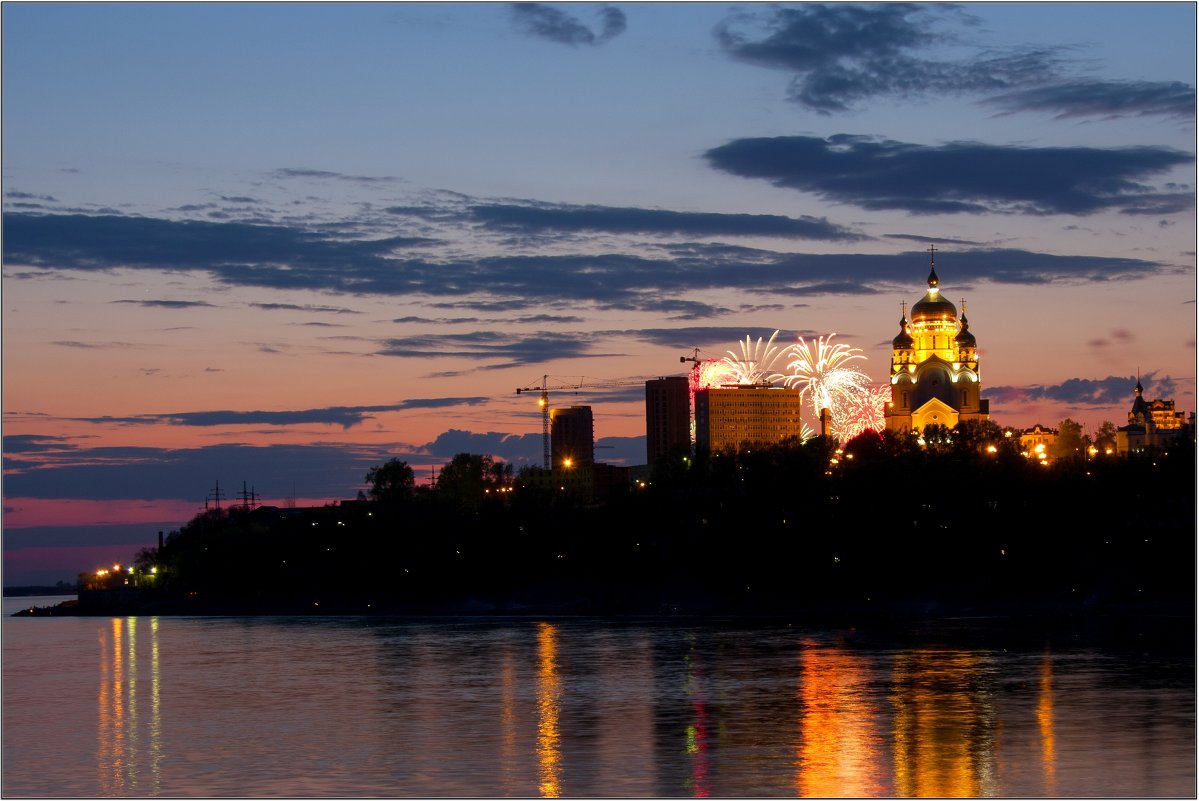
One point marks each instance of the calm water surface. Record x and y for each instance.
(567, 707)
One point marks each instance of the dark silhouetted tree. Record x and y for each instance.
(465, 478)
(1105, 436)
(1069, 443)
(391, 482)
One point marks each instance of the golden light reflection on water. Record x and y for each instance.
(942, 725)
(836, 753)
(508, 719)
(119, 735)
(697, 727)
(548, 691)
(1045, 723)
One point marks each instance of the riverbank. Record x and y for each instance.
(1155, 621)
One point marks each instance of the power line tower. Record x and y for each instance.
(249, 499)
(216, 496)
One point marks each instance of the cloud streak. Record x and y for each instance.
(960, 177)
(841, 56)
(606, 219)
(344, 416)
(1079, 98)
(285, 258)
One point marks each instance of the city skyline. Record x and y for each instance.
(282, 243)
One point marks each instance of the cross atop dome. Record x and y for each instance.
(932, 267)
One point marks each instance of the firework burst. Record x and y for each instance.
(754, 365)
(860, 411)
(711, 373)
(820, 370)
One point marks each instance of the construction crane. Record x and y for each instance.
(576, 384)
(693, 358)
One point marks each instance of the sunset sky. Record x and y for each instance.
(281, 243)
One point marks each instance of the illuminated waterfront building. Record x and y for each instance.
(1152, 425)
(572, 437)
(934, 365)
(728, 417)
(1037, 435)
(667, 416)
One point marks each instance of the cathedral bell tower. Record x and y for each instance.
(934, 364)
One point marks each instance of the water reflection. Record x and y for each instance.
(548, 690)
(837, 753)
(575, 708)
(507, 718)
(697, 725)
(943, 725)
(1045, 724)
(119, 736)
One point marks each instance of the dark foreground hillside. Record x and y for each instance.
(888, 529)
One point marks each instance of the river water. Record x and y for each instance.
(319, 707)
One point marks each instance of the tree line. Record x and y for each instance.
(947, 515)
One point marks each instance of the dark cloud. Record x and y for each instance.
(440, 321)
(545, 22)
(674, 308)
(294, 172)
(707, 337)
(487, 305)
(1115, 389)
(169, 304)
(315, 471)
(76, 343)
(227, 249)
(933, 240)
(344, 416)
(960, 177)
(1081, 98)
(36, 443)
(13, 193)
(608, 219)
(283, 258)
(620, 450)
(307, 307)
(512, 350)
(841, 56)
(542, 319)
(516, 448)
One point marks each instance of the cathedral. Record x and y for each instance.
(934, 364)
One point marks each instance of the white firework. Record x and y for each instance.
(754, 365)
(819, 370)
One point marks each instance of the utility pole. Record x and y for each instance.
(248, 497)
(215, 497)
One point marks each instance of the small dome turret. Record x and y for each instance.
(965, 339)
(903, 340)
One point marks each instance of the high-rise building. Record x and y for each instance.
(934, 365)
(750, 414)
(572, 437)
(667, 416)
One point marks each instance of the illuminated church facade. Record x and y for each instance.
(934, 364)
